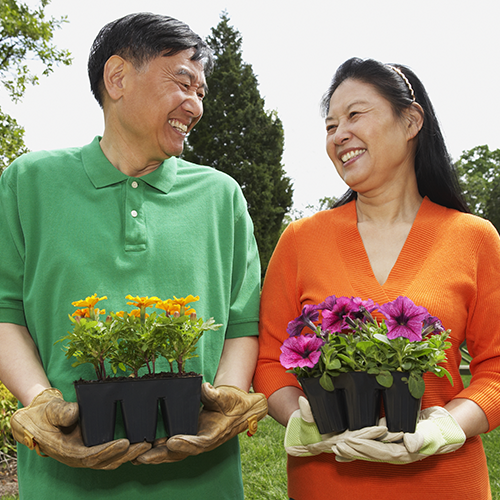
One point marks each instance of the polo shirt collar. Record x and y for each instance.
(102, 173)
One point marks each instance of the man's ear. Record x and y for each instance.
(415, 119)
(115, 71)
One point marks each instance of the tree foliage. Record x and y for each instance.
(479, 174)
(25, 35)
(238, 136)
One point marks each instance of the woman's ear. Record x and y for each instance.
(113, 75)
(415, 119)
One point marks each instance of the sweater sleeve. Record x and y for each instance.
(483, 330)
(279, 305)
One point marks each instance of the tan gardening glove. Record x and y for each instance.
(302, 437)
(437, 432)
(50, 425)
(226, 412)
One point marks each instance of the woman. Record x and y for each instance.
(401, 229)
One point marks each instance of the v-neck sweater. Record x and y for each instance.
(450, 264)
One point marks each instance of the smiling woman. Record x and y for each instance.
(402, 229)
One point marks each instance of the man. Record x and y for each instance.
(121, 216)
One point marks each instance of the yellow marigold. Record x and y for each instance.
(167, 305)
(89, 302)
(183, 301)
(142, 301)
(81, 313)
(136, 313)
(189, 310)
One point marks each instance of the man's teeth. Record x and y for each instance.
(352, 154)
(179, 126)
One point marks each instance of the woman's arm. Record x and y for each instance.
(283, 403)
(469, 416)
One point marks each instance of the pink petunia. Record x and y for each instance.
(404, 318)
(301, 351)
(334, 318)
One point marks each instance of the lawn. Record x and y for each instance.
(264, 461)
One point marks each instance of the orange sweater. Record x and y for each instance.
(450, 264)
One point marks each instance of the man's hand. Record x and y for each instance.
(437, 432)
(50, 425)
(226, 412)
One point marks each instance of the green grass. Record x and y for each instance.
(264, 461)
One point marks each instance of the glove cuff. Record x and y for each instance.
(441, 435)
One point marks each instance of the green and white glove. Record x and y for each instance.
(302, 437)
(437, 432)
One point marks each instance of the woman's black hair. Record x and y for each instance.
(436, 175)
(139, 38)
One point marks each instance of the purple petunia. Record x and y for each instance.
(334, 318)
(404, 318)
(301, 351)
(432, 326)
(309, 315)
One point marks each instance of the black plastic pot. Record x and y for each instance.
(362, 398)
(97, 406)
(179, 399)
(401, 408)
(180, 405)
(328, 407)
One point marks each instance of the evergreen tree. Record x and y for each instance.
(236, 135)
(24, 35)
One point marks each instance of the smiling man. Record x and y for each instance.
(123, 215)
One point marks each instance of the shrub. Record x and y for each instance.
(8, 405)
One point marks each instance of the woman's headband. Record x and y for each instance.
(403, 76)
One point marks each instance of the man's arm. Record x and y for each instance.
(237, 363)
(21, 369)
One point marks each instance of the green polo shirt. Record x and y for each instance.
(72, 225)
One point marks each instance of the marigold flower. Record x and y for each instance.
(142, 301)
(136, 313)
(89, 302)
(81, 313)
(183, 301)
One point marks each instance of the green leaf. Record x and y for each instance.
(326, 382)
(385, 379)
(416, 386)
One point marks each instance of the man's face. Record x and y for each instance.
(162, 103)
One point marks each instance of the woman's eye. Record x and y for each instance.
(331, 128)
(352, 114)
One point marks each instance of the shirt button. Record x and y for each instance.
(133, 213)
(135, 184)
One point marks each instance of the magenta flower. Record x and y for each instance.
(404, 318)
(309, 314)
(361, 309)
(334, 318)
(432, 326)
(301, 351)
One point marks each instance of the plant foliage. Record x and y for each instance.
(479, 175)
(25, 35)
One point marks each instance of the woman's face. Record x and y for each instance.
(371, 148)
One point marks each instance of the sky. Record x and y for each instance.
(452, 45)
